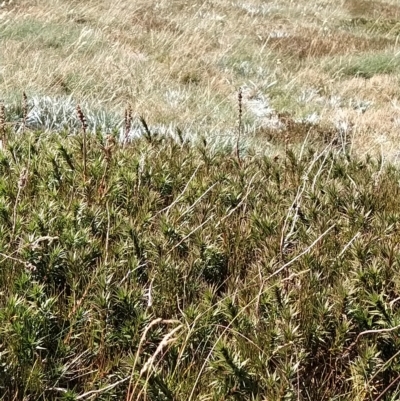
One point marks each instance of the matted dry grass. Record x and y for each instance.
(373, 9)
(316, 43)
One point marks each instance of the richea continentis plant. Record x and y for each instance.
(156, 269)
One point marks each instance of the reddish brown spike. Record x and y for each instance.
(2, 123)
(128, 121)
(83, 121)
(24, 110)
(81, 117)
(240, 111)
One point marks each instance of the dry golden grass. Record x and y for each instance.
(314, 43)
(181, 63)
(373, 9)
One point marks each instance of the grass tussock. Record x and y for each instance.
(163, 269)
(373, 9)
(314, 43)
(369, 65)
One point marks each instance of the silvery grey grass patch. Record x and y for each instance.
(58, 114)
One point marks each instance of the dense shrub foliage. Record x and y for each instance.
(172, 271)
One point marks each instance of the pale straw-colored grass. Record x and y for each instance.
(181, 64)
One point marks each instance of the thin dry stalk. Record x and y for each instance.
(178, 198)
(387, 388)
(240, 113)
(168, 338)
(132, 388)
(244, 198)
(151, 362)
(107, 149)
(293, 211)
(302, 253)
(381, 369)
(23, 179)
(24, 110)
(83, 121)
(366, 332)
(3, 125)
(128, 122)
(190, 234)
(92, 393)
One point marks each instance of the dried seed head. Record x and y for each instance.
(30, 267)
(2, 119)
(24, 109)
(240, 102)
(240, 110)
(83, 121)
(24, 106)
(110, 143)
(81, 117)
(128, 121)
(23, 178)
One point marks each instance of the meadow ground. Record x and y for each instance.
(180, 63)
(197, 264)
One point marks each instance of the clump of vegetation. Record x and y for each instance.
(155, 268)
(367, 66)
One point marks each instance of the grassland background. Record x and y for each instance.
(168, 268)
(181, 63)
